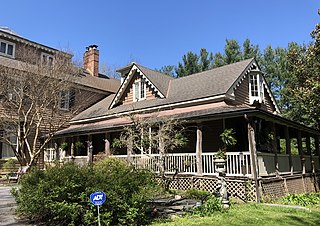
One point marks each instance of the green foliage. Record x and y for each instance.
(228, 137)
(64, 146)
(307, 199)
(78, 145)
(60, 196)
(197, 194)
(10, 165)
(209, 207)
(221, 154)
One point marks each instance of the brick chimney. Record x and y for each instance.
(91, 60)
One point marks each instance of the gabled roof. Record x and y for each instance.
(211, 84)
(158, 81)
(84, 79)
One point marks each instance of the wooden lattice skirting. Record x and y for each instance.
(244, 188)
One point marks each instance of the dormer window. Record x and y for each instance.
(46, 59)
(139, 90)
(256, 88)
(7, 48)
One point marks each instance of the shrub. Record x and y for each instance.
(11, 165)
(307, 199)
(209, 207)
(60, 196)
(197, 194)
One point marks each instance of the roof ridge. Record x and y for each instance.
(138, 65)
(213, 69)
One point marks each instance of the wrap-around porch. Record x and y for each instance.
(264, 148)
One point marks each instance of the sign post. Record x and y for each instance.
(98, 198)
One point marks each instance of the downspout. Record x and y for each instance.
(253, 157)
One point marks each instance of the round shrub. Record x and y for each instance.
(60, 196)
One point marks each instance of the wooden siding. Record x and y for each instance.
(242, 96)
(128, 94)
(242, 92)
(267, 104)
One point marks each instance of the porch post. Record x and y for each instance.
(300, 152)
(72, 149)
(199, 149)
(129, 151)
(309, 150)
(288, 148)
(89, 148)
(107, 140)
(275, 148)
(253, 157)
(316, 144)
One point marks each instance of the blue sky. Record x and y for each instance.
(157, 33)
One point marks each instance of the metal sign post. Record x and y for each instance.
(98, 198)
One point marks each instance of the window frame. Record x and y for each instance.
(258, 87)
(7, 43)
(140, 89)
(64, 97)
(47, 56)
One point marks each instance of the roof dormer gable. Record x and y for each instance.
(137, 85)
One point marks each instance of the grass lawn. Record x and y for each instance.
(252, 214)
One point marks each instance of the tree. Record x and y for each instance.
(146, 134)
(168, 70)
(32, 92)
(303, 89)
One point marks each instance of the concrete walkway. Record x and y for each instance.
(7, 208)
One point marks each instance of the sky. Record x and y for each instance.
(158, 32)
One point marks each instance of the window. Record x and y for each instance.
(139, 90)
(256, 89)
(46, 59)
(67, 98)
(64, 100)
(7, 48)
(11, 136)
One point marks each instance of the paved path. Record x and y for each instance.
(7, 208)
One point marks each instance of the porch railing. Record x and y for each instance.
(238, 163)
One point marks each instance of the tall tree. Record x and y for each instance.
(303, 89)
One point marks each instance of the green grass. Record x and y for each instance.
(251, 214)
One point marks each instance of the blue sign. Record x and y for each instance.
(98, 198)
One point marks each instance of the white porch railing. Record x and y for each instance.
(50, 155)
(80, 160)
(238, 163)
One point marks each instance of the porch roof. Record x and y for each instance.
(212, 111)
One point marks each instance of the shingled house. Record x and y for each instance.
(232, 96)
(88, 85)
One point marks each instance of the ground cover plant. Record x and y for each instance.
(250, 214)
(60, 196)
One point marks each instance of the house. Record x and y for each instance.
(18, 55)
(273, 155)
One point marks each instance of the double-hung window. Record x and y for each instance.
(7, 48)
(46, 59)
(64, 100)
(139, 90)
(256, 89)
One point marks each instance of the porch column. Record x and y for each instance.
(275, 147)
(299, 140)
(129, 151)
(90, 149)
(288, 148)
(316, 144)
(309, 150)
(199, 149)
(72, 148)
(107, 140)
(253, 157)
